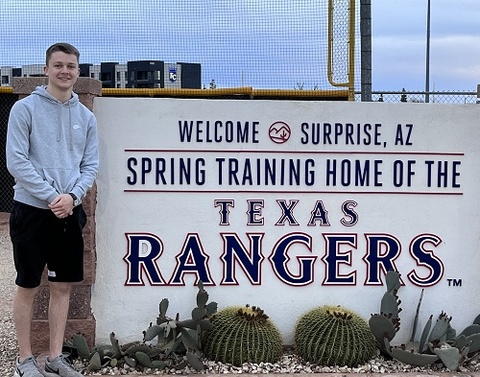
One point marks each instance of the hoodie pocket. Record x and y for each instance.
(62, 180)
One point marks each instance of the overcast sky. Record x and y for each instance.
(245, 50)
(399, 44)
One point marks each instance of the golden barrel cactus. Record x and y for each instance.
(240, 335)
(331, 335)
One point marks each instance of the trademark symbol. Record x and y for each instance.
(454, 282)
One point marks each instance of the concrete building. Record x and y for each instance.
(133, 74)
(8, 73)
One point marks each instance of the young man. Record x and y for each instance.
(52, 152)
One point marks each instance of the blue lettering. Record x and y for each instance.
(224, 211)
(319, 213)
(192, 260)
(427, 259)
(249, 260)
(279, 260)
(353, 173)
(185, 130)
(254, 212)
(287, 212)
(334, 257)
(132, 161)
(347, 209)
(143, 250)
(382, 250)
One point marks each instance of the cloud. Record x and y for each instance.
(273, 43)
(399, 44)
(455, 62)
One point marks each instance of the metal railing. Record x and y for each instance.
(460, 97)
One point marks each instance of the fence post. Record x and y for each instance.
(80, 317)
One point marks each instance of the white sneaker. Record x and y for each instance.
(28, 368)
(61, 367)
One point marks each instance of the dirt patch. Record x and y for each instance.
(4, 219)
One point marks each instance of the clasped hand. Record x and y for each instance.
(62, 206)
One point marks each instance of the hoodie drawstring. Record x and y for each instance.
(70, 126)
(42, 91)
(59, 127)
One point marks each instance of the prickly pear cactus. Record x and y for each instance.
(437, 343)
(385, 325)
(242, 334)
(331, 335)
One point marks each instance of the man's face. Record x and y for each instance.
(62, 70)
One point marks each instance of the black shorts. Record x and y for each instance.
(41, 239)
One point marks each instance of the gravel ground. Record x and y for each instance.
(289, 363)
(8, 344)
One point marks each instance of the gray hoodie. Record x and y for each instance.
(52, 148)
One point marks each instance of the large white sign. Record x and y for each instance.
(286, 206)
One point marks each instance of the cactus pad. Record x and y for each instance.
(332, 335)
(242, 334)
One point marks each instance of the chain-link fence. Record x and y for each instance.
(6, 180)
(269, 44)
(459, 97)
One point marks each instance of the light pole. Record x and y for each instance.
(427, 58)
(366, 50)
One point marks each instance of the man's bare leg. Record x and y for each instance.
(57, 316)
(22, 315)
